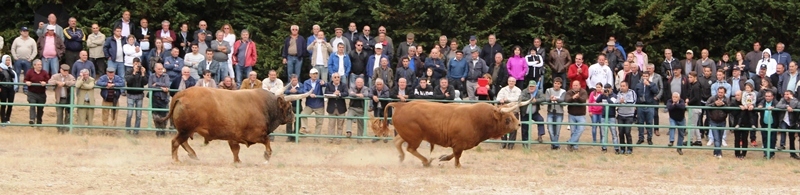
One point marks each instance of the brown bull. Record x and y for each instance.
(240, 117)
(459, 126)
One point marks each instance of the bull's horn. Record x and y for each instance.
(525, 103)
(280, 93)
(510, 107)
(291, 98)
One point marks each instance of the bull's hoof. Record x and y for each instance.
(265, 162)
(194, 157)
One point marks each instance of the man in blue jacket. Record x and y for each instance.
(646, 93)
(339, 62)
(110, 95)
(314, 103)
(457, 72)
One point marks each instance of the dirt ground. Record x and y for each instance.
(109, 162)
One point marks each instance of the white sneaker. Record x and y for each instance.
(710, 143)
(724, 143)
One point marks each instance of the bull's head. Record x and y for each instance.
(285, 104)
(506, 118)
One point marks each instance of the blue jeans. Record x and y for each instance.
(353, 78)
(645, 118)
(120, 66)
(223, 70)
(323, 72)
(596, 119)
(613, 130)
(681, 131)
(134, 101)
(577, 130)
(554, 130)
(717, 135)
(294, 66)
(50, 65)
(19, 66)
(242, 70)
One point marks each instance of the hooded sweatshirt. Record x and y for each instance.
(7, 74)
(769, 62)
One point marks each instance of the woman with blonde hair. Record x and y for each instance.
(230, 37)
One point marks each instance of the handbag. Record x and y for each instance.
(482, 89)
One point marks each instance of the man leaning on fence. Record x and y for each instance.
(356, 109)
(609, 117)
(85, 97)
(531, 111)
(336, 105)
(63, 81)
(160, 98)
(110, 93)
(136, 79)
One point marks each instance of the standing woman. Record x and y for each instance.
(7, 74)
(230, 37)
(517, 67)
(740, 62)
(726, 65)
(36, 94)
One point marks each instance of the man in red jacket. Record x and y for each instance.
(244, 55)
(578, 71)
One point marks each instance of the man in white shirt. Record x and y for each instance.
(272, 83)
(507, 94)
(600, 72)
(320, 52)
(341, 39)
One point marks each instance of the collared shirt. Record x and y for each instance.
(144, 44)
(167, 45)
(126, 28)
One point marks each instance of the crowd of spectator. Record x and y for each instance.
(355, 64)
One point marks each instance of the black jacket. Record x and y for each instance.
(695, 99)
(137, 80)
(440, 95)
(336, 104)
(358, 62)
(676, 111)
(137, 32)
(176, 83)
(420, 93)
(717, 115)
(396, 91)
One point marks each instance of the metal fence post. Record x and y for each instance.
(365, 119)
(72, 109)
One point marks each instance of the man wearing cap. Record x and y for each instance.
(613, 56)
(609, 117)
(293, 50)
(402, 49)
(341, 39)
(110, 93)
(641, 57)
(531, 111)
(315, 102)
(762, 74)
(374, 61)
(737, 81)
(63, 81)
(73, 40)
(473, 45)
(24, 49)
(51, 48)
(491, 48)
(51, 21)
(688, 63)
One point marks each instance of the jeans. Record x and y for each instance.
(695, 118)
(19, 66)
(681, 131)
(625, 132)
(526, 127)
(554, 130)
(717, 133)
(223, 70)
(577, 130)
(241, 70)
(62, 115)
(50, 65)
(36, 112)
(596, 119)
(768, 139)
(603, 134)
(323, 72)
(645, 118)
(294, 66)
(120, 66)
(134, 101)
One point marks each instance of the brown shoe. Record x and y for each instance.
(657, 134)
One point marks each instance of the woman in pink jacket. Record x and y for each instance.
(517, 67)
(596, 111)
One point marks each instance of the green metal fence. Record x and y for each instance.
(296, 126)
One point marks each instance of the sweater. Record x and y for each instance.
(626, 97)
(577, 110)
(611, 99)
(24, 49)
(458, 69)
(676, 111)
(35, 78)
(554, 107)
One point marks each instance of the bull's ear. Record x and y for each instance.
(498, 113)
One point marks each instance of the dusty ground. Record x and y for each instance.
(38, 162)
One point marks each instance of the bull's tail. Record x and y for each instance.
(384, 127)
(169, 114)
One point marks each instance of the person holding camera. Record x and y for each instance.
(136, 79)
(646, 92)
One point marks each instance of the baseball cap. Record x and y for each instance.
(111, 69)
(607, 86)
(313, 71)
(472, 38)
(689, 51)
(531, 83)
(24, 28)
(410, 36)
(64, 67)
(379, 46)
(51, 27)
(611, 43)
(763, 66)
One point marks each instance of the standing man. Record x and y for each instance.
(695, 99)
(600, 72)
(507, 95)
(688, 63)
(58, 31)
(659, 83)
(166, 35)
(272, 83)
(646, 92)
(356, 109)
(63, 80)
(221, 50)
(457, 72)
(244, 55)
(73, 40)
(336, 105)
(768, 138)
(203, 28)
(358, 63)
(613, 56)
(753, 57)
(160, 98)
(477, 68)
(24, 50)
(293, 50)
(626, 115)
(51, 48)
(677, 108)
(112, 48)
(85, 97)
(83, 63)
(669, 64)
(558, 60)
(95, 44)
(490, 49)
(320, 52)
(339, 62)
(110, 95)
(314, 102)
(578, 71)
(780, 55)
(368, 42)
(146, 38)
(577, 113)
(352, 35)
(717, 118)
(402, 49)
(341, 39)
(704, 61)
(531, 112)
(125, 24)
(641, 57)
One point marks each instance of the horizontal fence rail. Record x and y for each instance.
(366, 117)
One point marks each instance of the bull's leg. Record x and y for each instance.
(179, 140)
(457, 153)
(412, 148)
(398, 142)
(268, 151)
(189, 150)
(235, 149)
(446, 157)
